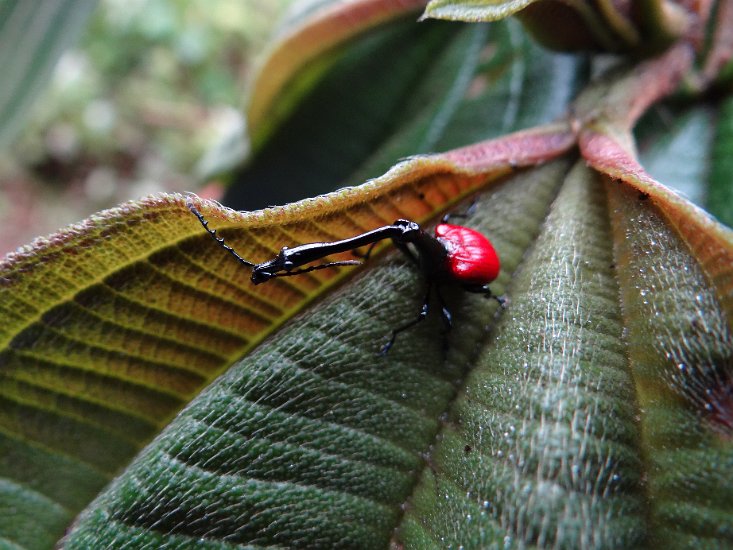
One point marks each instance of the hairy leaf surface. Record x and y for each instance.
(594, 411)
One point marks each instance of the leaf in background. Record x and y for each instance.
(33, 35)
(567, 26)
(474, 10)
(450, 85)
(718, 66)
(720, 195)
(304, 48)
(674, 147)
(483, 86)
(352, 108)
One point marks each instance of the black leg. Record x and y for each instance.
(486, 291)
(368, 253)
(465, 214)
(445, 313)
(401, 246)
(315, 268)
(420, 317)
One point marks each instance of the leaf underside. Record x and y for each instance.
(560, 435)
(544, 446)
(118, 322)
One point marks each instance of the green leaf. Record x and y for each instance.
(33, 35)
(442, 92)
(541, 446)
(680, 349)
(306, 44)
(291, 439)
(720, 197)
(676, 150)
(305, 436)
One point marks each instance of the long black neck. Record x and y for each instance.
(291, 258)
(307, 253)
(431, 255)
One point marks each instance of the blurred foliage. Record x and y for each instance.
(130, 111)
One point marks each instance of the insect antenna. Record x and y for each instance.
(212, 232)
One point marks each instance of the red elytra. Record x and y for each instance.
(471, 257)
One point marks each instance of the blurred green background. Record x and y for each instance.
(150, 87)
